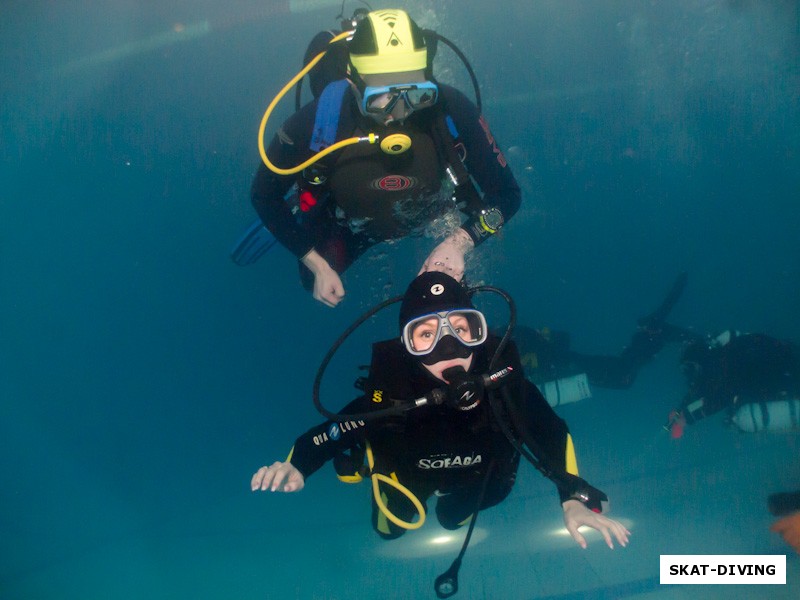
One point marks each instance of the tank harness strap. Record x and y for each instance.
(451, 126)
(755, 410)
(765, 416)
(326, 121)
(385, 377)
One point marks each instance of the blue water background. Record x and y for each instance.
(144, 376)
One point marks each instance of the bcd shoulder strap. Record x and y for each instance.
(444, 134)
(387, 379)
(326, 120)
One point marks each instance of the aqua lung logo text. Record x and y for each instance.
(335, 431)
(455, 462)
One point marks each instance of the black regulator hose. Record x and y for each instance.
(446, 584)
(569, 484)
(440, 38)
(512, 322)
(388, 412)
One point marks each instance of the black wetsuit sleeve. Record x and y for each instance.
(321, 443)
(550, 432)
(544, 433)
(485, 162)
(288, 148)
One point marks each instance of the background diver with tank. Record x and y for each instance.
(381, 153)
(564, 375)
(753, 376)
(446, 411)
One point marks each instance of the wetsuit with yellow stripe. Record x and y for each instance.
(438, 448)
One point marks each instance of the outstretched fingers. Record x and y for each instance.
(608, 528)
(621, 533)
(576, 535)
(280, 476)
(577, 515)
(612, 529)
(262, 479)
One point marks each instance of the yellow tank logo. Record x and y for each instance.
(377, 396)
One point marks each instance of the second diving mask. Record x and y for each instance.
(465, 325)
(381, 100)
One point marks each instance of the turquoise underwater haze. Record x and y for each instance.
(144, 376)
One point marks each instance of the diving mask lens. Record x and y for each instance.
(382, 100)
(466, 325)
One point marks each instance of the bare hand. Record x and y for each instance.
(279, 477)
(448, 257)
(577, 515)
(328, 287)
(789, 528)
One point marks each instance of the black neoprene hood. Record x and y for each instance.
(432, 292)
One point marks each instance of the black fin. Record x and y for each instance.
(662, 312)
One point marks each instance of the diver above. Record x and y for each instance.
(463, 447)
(426, 146)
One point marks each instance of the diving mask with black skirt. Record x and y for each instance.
(444, 335)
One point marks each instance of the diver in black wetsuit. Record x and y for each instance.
(724, 372)
(735, 369)
(431, 136)
(457, 449)
(547, 356)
